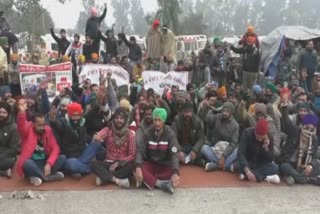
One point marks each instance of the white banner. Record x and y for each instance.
(58, 76)
(158, 80)
(93, 71)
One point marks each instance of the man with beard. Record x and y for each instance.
(189, 131)
(119, 157)
(223, 136)
(145, 124)
(299, 155)
(5, 93)
(39, 159)
(137, 112)
(9, 140)
(72, 133)
(191, 89)
(63, 42)
(256, 157)
(157, 164)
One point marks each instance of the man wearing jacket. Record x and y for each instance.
(222, 131)
(72, 133)
(256, 155)
(63, 42)
(189, 131)
(39, 159)
(9, 140)
(135, 52)
(93, 23)
(299, 154)
(250, 62)
(157, 164)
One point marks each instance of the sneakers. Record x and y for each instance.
(35, 181)
(242, 177)
(274, 179)
(289, 180)
(124, 183)
(167, 187)
(211, 167)
(98, 181)
(7, 173)
(55, 177)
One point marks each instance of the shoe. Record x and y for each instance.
(35, 181)
(98, 181)
(314, 180)
(124, 183)
(242, 177)
(76, 176)
(7, 173)
(289, 180)
(211, 167)
(167, 187)
(274, 179)
(55, 177)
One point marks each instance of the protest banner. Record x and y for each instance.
(158, 80)
(58, 76)
(93, 72)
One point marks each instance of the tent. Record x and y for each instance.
(272, 45)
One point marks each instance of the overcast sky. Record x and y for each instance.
(66, 15)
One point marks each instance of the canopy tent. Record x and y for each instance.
(272, 45)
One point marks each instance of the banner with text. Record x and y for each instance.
(93, 72)
(58, 76)
(158, 80)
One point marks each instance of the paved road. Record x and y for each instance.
(298, 199)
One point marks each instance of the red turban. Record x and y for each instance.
(155, 24)
(74, 108)
(262, 127)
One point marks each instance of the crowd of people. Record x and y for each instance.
(225, 119)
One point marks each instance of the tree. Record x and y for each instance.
(120, 14)
(137, 16)
(169, 12)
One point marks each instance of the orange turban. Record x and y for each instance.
(94, 56)
(222, 92)
(250, 29)
(14, 57)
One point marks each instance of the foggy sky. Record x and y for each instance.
(66, 15)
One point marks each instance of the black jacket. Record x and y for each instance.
(293, 133)
(95, 121)
(93, 23)
(9, 139)
(88, 49)
(72, 142)
(135, 52)
(197, 138)
(111, 45)
(250, 58)
(63, 44)
(251, 153)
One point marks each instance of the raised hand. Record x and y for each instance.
(22, 105)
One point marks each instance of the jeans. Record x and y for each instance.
(81, 164)
(35, 168)
(7, 163)
(101, 169)
(210, 156)
(261, 172)
(288, 169)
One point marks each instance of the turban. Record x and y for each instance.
(74, 108)
(160, 113)
(262, 127)
(310, 119)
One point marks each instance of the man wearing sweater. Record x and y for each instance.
(157, 164)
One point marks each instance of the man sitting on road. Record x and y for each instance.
(39, 159)
(157, 164)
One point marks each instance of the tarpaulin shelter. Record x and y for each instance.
(273, 43)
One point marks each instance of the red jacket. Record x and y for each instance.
(29, 140)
